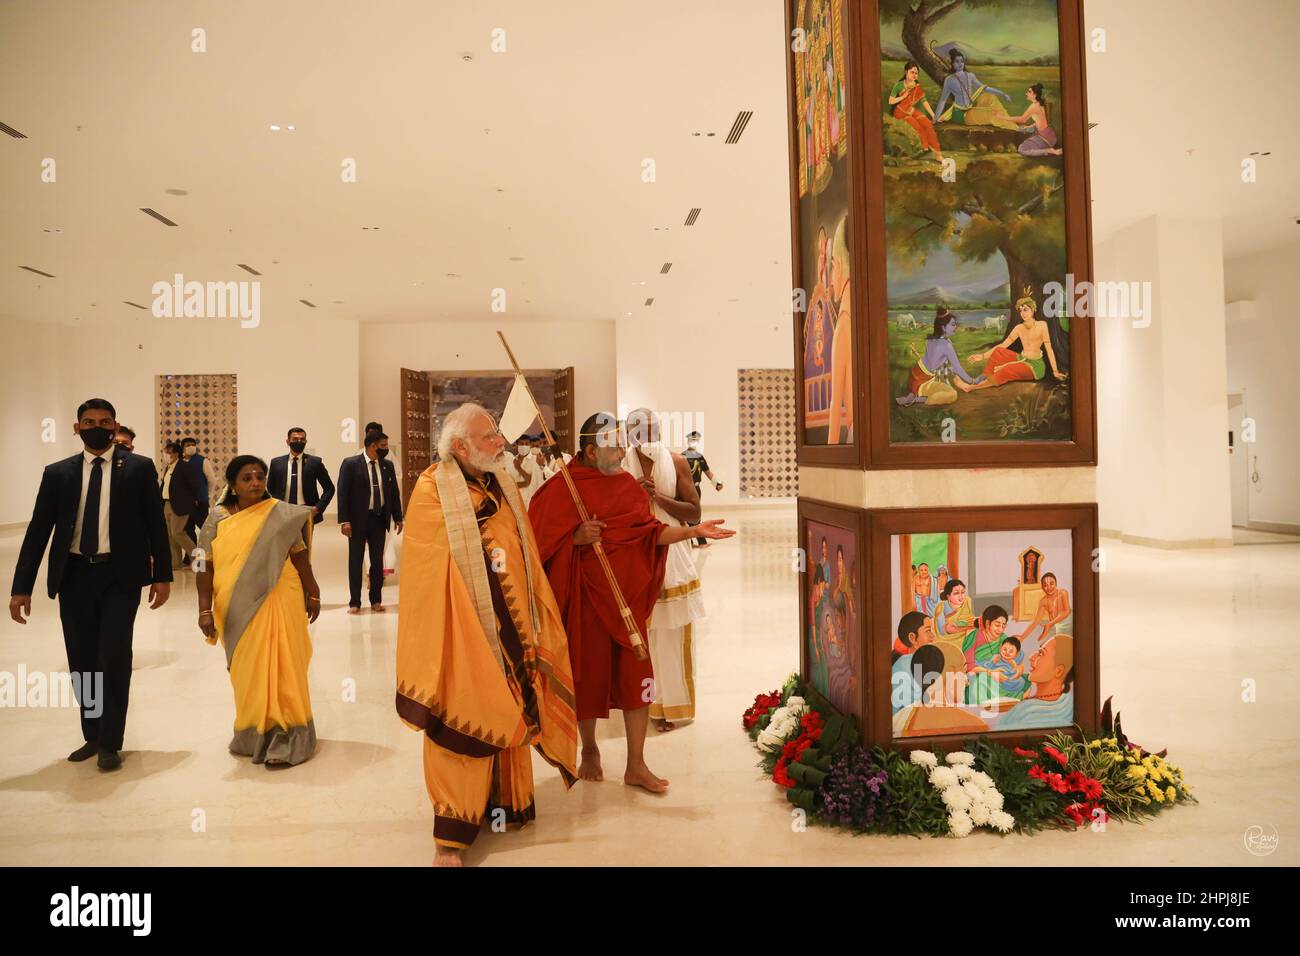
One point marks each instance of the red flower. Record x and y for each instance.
(782, 778)
(1057, 783)
(1092, 789)
(1076, 813)
(1076, 780)
(1022, 752)
(1054, 754)
(1037, 773)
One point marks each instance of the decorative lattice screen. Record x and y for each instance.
(205, 407)
(767, 433)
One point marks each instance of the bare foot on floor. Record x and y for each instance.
(643, 778)
(446, 856)
(589, 768)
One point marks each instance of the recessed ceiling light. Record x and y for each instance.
(516, 258)
(275, 127)
(292, 128)
(467, 57)
(453, 275)
(642, 282)
(177, 192)
(338, 302)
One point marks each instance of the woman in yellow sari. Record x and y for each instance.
(257, 594)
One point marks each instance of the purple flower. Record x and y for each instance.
(852, 794)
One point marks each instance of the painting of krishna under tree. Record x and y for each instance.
(975, 227)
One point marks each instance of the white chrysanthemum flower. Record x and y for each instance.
(960, 758)
(1003, 822)
(959, 823)
(795, 704)
(963, 772)
(981, 779)
(980, 814)
(943, 778)
(923, 758)
(955, 799)
(974, 792)
(992, 799)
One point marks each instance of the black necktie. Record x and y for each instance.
(90, 516)
(293, 484)
(374, 487)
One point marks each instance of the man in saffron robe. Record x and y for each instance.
(482, 660)
(606, 670)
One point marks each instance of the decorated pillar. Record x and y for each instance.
(944, 356)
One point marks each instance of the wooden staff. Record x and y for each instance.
(633, 633)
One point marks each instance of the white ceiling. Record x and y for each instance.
(535, 152)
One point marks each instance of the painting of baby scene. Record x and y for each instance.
(833, 643)
(974, 189)
(822, 143)
(982, 635)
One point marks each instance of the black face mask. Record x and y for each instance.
(381, 452)
(297, 447)
(96, 437)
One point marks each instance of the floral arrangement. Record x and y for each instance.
(1064, 782)
(970, 795)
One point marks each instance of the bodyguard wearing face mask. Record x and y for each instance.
(295, 477)
(369, 500)
(110, 540)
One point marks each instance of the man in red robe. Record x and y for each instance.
(606, 672)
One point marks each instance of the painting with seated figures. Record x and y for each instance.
(983, 632)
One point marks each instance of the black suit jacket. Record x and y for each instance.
(182, 491)
(312, 472)
(136, 528)
(354, 492)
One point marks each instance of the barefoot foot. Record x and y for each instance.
(589, 768)
(449, 856)
(663, 726)
(643, 778)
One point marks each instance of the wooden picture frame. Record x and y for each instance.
(873, 446)
(851, 454)
(812, 513)
(882, 524)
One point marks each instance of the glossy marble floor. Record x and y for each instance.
(1181, 632)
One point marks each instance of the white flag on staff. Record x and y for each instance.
(519, 413)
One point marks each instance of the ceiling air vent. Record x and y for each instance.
(650, 301)
(6, 128)
(135, 305)
(663, 269)
(157, 215)
(37, 271)
(248, 268)
(310, 305)
(693, 215)
(738, 127)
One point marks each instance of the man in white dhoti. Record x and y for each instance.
(666, 477)
(527, 468)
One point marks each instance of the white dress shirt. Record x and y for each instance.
(86, 469)
(165, 483)
(379, 471)
(289, 490)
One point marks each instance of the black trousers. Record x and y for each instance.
(373, 537)
(98, 617)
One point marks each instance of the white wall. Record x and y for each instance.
(32, 390)
(472, 344)
(290, 372)
(1161, 389)
(690, 368)
(1261, 362)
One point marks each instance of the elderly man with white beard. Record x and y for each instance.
(482, 659)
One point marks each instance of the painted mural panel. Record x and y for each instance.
(832, 628)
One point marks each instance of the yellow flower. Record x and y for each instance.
(1170, 794)
(1137, 772)
(1094, 744)
(1157, 794)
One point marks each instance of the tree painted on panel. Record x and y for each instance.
(920, 17)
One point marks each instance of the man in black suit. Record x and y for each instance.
(180, 500)
(110, 540)
(294, 477)
(368, 500)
